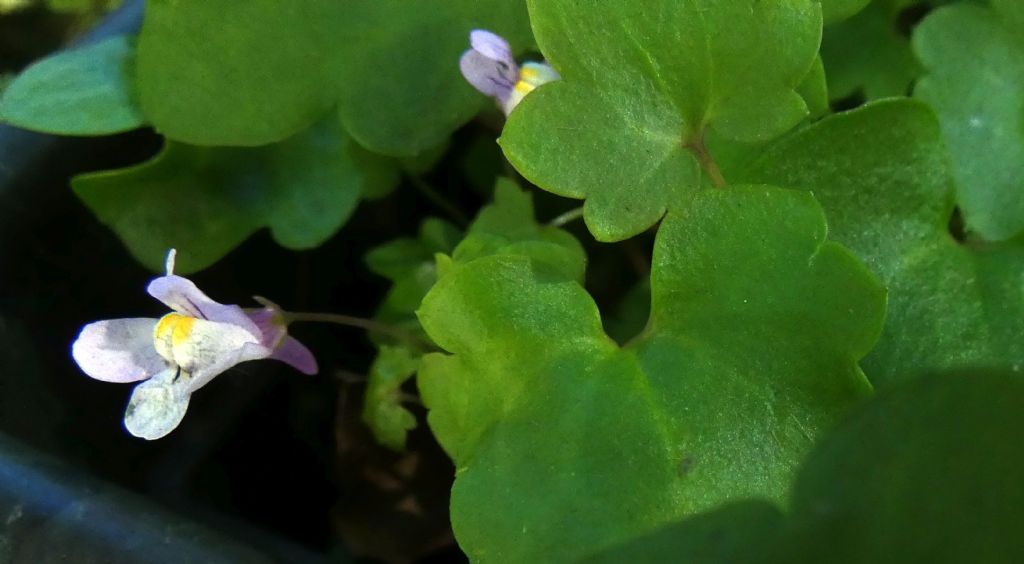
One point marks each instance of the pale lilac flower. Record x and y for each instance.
(491, 69)
(182, 351)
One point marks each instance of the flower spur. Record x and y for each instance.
(182, 351)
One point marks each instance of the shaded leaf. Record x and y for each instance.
(869, 55)
(264, 72)
(382, 409)
(84, 91)
(974, 58)
(205, 201)
(926, 472)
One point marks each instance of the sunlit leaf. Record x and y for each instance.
(750, 353)
(642, 82)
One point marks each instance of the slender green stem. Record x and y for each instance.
(362, 323)
(438, 200)
(567, 217)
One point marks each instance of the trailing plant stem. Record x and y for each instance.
(369, 325)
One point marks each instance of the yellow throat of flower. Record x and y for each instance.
(173, 330)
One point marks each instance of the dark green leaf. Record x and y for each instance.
(205, 201)
(927, 472)
(867, 54)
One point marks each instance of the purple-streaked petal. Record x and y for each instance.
(487, 76)
(492, 46)
(296, 355)
(271, 332)
(118, 350)
(157, 405)
(182, 295)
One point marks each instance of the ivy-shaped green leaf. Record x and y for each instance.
(926, 472)
(83, 91)
(868, 54)
(262, 72)
(383, 412)
(641, 82)
(544, 414)
(505, 227)
(508, 227)
(205, 201)
(974, 58)
(882, 175)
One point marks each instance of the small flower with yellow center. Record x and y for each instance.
(491, 69)
(182, 351)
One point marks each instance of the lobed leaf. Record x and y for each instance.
(974, 57)
(383, 412)
(882, 174)
(544, 414)
(641, 84)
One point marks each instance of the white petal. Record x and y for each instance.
(212, 348)
(157, 405)
(118, 350)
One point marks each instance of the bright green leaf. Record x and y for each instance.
(641, 84)
(974, 58)
(205, 201)
(382, 410)
(868, 54)
(544, 414)
(84, 91)
(263, 71)
(882, 175)
(508, 227)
